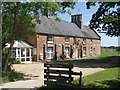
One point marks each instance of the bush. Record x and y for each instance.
(16, 62)
(11, 75)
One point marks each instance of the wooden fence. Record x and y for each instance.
(59, 74)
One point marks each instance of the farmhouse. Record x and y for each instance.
(55, 38)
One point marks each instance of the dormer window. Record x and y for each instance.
(50, 38)
(67, 39)
(84, 40)
(91, 40)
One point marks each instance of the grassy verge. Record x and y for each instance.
(11, 76)
(108, 78)
(105, 56)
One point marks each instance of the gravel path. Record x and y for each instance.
(36, 73)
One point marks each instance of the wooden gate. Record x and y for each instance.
(59, 74)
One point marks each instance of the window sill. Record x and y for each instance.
(50, 42)
(66, 42)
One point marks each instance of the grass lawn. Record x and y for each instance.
(103, 58)
(108, 78)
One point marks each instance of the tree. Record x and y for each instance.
(107, 18)
(19, 19)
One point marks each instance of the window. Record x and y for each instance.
(84, 51)
(27, 52)
(50, 39)
(50, 52)
(34, 51)
(66, 39)
(84, 40)
(22, 52)
(67, 52)
(91, 41)
(91, 51)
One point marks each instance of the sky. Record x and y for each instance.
(80, 8)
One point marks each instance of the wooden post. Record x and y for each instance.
(80, 80)
(47, 74)
(55, 52)
(70, 74)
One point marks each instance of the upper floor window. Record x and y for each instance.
(50, 39)
(91, 40)
(66, 39)
(84, 40)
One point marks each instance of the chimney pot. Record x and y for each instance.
(77, 19)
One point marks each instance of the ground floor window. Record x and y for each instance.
(91, 51)
(84, 51)
(67, 52)
(50, 52)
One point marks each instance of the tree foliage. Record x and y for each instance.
(19, 19)
(107, 17)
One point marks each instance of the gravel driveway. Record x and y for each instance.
(35, 72)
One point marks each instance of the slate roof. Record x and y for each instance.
(51, 26)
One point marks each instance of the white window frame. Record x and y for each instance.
(48, 39)
(91, 51)
(84, 51)
(51, 53)
(67, 52)
(84, 40)
(67, 39)
(91, 40)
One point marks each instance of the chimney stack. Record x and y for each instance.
(77, 19)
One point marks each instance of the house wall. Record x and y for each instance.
(59, 41)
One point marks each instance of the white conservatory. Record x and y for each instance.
(21, 51)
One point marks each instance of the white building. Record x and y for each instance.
(21, 51)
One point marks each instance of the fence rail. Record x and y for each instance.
(59, 74)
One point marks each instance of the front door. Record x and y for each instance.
(67, 52)
(24, 54)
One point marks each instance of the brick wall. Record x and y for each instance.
(59, 41)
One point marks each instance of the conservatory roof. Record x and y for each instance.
(19, 44)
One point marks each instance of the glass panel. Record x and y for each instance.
(84, 51)
(27, 52)
(34, 51)
(50, 52)
(84, 39)
(67, 52)
(27, 59)
(22, 53)
(91, 51)
(18, 52)
(66, 39)
(50, 38)
(22, 59)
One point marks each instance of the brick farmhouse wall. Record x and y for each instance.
(59, 41)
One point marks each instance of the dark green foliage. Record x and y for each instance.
(11, 76)
(19, 20)
(16, 62)
(104, 84)
(118, 49)
(107, 18)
